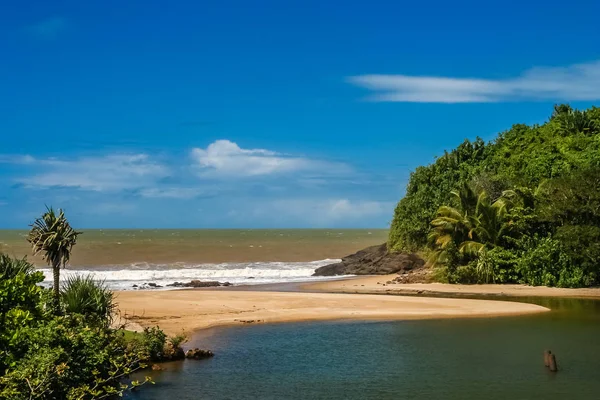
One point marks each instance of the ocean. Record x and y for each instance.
(124, 258)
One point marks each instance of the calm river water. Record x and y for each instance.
(494, 358)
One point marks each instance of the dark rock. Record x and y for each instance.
(248, 321)
(198, 284)
(198, 354)
(147, 285)
(374, 260)
(226, 284)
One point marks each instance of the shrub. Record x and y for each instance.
(582, 244)
(11, 267)
(503, 263)
(542, 262)
(22, 304)
(152, 343)
(465, 274)
(85, 296)
(177, 340)
(69, 359)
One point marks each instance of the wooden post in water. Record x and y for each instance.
(552, 363)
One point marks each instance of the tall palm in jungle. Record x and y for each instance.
(53, 237)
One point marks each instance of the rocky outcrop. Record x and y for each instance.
(198, 354)
(199, 284)
(172, 353)
(374, 260)
(146, 285)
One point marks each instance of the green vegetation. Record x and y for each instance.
(523, 208)
(85, 296)
(64, 347)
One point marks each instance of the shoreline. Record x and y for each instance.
(377, 285)
(193, 310)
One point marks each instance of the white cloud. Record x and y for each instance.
(103, 173)
(324, 212)
(49, 28)
(226, 158)
(571, 83)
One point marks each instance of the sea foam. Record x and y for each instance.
(123, 277)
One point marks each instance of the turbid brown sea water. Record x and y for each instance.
(128, 259)
(163, 246)
(485, 358)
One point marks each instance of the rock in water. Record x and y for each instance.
(198, 354)
(374, 260)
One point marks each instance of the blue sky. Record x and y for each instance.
(267, 113)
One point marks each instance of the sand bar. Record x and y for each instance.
(186, 311)
(375, 284)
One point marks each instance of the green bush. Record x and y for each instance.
(582, 244)
(22, 304)
(542, 263)
(177, 340)
(45, 356)
(465, 274)
(503, 264)
(11, 267)
(69, 359)
(151, 343)
(85, 296)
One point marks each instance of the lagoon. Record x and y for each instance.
(478, 358)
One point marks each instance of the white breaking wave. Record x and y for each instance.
(121, 277)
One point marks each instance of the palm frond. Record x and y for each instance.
(82, 294)
(53, 237)
(11, 267)
(471, 248)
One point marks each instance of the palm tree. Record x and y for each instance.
(471, 227)
(574, 121)
(53, 237)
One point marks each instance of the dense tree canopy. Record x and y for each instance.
(507, 209)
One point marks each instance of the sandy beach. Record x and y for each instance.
(377, 284)
(191, 310)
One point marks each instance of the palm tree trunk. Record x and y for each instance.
(56, 276)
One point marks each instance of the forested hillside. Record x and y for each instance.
(522, 208)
